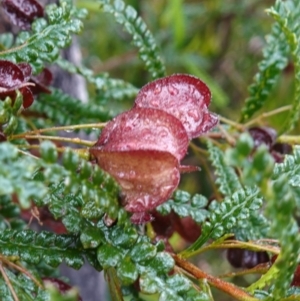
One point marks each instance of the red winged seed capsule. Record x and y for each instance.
(144, 129)
(14, 77)
(184, 96)
(142, 148)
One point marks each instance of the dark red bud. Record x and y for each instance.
(22, 12)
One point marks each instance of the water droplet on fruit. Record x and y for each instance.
(121, 174)
(163, 134)
(157, 90)
(172, 90)
(194, 114)
(154, 102)
(132, 173)
(126, 185)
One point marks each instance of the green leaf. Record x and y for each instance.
(66, 110)
(162, 263)
(179, 283)
(227, 179)
(142, 251)
(123, 237)
(109, 256)
(6, 40)
(32, 247)
(127, 271)
(185, 205)
(91, 237)
(107, 88)
(226, 215)
(16, 176)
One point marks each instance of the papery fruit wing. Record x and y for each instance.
(147, 177)
(185, 97)
(145, 129)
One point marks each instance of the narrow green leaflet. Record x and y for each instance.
(33, 247)
(274, 61)
(65, 110)
(107, 88)
(128, 17)
(287, 16)
(227, 179)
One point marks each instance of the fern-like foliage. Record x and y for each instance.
(290, 166)
(19, 178)
(32, 247)
(48, 36)
(63, 109)
(280, 208)
(274, 61)
(281, 212)
(24, 288)
(29, 178)
(239, 202)
(227, 215)
(280, 193)
(287, 16)
(227, 179)
(183, 204)
(127, 16)
(108, 88)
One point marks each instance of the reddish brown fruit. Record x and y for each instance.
(263, 135)
(242, 258)
(163, 224)
(144, 129)
(147, 177)
(184, 96)
(142, 148)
